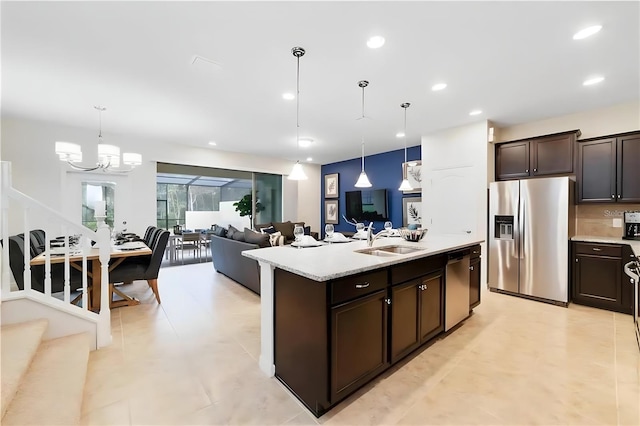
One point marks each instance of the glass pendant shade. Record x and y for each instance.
(405, 186)
(297, 173)
(68, 151)
(131, 159)
(363, 181)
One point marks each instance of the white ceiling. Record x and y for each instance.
(516, 61)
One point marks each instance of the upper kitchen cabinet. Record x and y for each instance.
(608, 169)
(550, 155)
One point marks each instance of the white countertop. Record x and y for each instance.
(635, 244)
(339, 259)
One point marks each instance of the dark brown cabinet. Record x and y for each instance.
(330, 338)
(417, 313)
(598, 276)
(608, 171)
(474, 278)
(550, 155)
(358, 343)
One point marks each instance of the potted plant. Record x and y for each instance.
(244, 207)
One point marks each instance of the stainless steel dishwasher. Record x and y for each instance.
(456, 294)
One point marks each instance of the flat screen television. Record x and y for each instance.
(367, 205)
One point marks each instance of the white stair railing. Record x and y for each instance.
(15, 207)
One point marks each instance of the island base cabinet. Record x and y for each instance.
(358, 343)
(300, 338)
(417, 313)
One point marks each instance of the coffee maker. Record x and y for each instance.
(631, 225)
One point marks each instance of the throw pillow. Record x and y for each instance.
(276, 239)
(253, 237)
(285, 228)
(269, 230)
(219, 231)
(260, 226)
(232, 230)
(238, 235)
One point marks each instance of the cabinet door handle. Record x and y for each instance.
(535, 170)
(526, 171)
(596, 249)
(365, 285)
(471, 268)
(613, 196)
(388, 301)
(618, 195)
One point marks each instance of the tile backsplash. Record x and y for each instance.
(597, 219)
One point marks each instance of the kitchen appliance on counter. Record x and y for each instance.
(530, 224)
(632, 269)
(631, 226)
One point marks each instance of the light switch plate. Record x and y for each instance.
(617, 223)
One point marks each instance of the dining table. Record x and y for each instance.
(118, 253)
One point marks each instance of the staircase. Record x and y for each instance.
(42, 380)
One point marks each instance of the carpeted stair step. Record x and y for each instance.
(19, 343)
(51, 391)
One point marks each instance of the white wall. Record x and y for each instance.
(29, 146)
(454, 190)
(599, 122)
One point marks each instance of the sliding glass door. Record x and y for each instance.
(268, 196)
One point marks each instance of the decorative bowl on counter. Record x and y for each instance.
(413, 235)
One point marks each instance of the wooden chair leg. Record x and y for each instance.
(127, 300)
(154, 287)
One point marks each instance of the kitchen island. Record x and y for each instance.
(333, 317)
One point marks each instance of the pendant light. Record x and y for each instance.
(297, 173)
(405, 186)
(363, 180)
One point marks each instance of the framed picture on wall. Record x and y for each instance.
(331, 189)
(331, 211)
(412, 211)
(412, 171)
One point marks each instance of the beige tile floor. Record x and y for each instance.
(194, 360)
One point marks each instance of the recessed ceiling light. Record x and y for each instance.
(400, 135)
(212, 143)
(288, 96)
(309, 159)
(475, 112)
(305, 142)
(594, 80)
(438, 86)
(587, 32)
(375, 42)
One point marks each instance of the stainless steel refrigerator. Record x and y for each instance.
(530, 224)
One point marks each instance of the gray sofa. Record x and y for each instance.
(228, 261)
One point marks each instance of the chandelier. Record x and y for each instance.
(108, 155)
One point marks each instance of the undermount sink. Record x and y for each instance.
(389, 250)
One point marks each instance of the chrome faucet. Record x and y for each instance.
(371, 237)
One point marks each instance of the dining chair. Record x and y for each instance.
(130, 271)
(190, 241)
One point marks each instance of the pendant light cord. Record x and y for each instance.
(298, 104)
(405, 106)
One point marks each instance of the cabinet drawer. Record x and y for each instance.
(417, 268)
(599, 249)
(354, 286)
